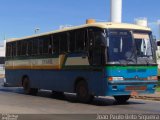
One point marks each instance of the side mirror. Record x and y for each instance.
(154, 42)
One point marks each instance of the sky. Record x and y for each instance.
(19, 18)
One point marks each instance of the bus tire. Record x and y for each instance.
(27, 89)
(83, 92)
(122, 99)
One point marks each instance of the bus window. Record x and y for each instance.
(91, 38)
(63, 43)
(29, 45)
(46, 43)
(35, 47)
(143, 44)
(9, 50)
(14, 46)
(19, 47)
(40, 46)
(56, 44)
(50, 47)
(80, 40)
(72, 38)
(24, 47)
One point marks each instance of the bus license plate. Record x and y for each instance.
(134, 88)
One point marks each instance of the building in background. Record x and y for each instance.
(2, 59)
(141, 22)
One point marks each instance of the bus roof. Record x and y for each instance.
(104, 25)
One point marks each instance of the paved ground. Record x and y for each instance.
(154, 97)
(12, 100)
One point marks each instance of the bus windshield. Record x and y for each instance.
(143, 47)
(127, 47)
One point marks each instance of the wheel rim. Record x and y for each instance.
(26, 85)
(82, 91)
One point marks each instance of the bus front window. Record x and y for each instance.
(120, 47)
(143, 48)
(129, 47)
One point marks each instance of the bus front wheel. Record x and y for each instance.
(83, 92)
(122, 99)
(27, 89)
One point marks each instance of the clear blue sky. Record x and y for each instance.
(19, 18)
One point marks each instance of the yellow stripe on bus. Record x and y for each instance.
(33, 67)
(62, 60)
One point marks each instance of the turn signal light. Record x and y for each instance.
(153, 78)
(115, 78)
(110, 78)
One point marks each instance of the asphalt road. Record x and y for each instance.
(13, 101)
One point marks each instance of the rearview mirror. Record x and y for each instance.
(154, 42)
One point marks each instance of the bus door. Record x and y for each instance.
(96, 47)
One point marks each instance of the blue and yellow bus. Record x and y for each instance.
(94, 59)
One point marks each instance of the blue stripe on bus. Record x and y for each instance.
(126, 74)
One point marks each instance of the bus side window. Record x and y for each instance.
(9, 50)
(35, 46)
(63, 43)
(50, 46)
(40, 46)
(24, 48)
(55, 44)
(14, 47)
(86, 42)
(72, 41)
(19, 47)
(46, 43)
(91, 38)
(29, 45)
(80, 40)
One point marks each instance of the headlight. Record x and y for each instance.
(115, 78)
(153, 78)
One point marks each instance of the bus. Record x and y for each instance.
(91, 60)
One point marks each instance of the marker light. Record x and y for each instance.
(115, 78)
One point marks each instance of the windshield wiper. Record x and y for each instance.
(123, 63)
(132, 57)
(146, 59)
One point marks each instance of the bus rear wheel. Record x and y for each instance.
(27, 89)
(122, 99)
(83, 92)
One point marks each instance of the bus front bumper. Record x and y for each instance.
(131, 88)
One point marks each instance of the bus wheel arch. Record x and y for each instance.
(82, 91)
(77, 81)
(23, 78)
(27, 87)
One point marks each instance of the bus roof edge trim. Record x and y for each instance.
(103, 25)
